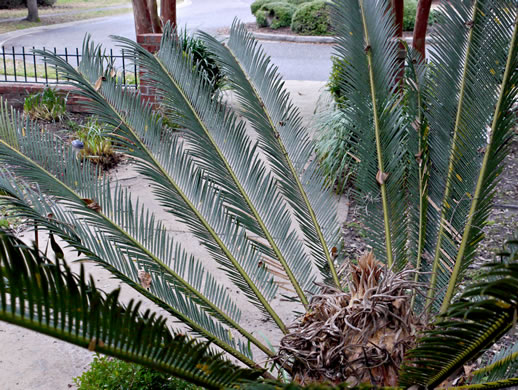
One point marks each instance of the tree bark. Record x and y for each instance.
(168, 12)
(398, 7)
(153, 16)
(143, 23)
(32, 6)
(421, 26)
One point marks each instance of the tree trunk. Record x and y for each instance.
(153, 16)
(141, 13)
(421, 26)
(32, 6)
(398, 7)
(168, 11)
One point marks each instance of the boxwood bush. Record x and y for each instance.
(275, 15)
(312, 18)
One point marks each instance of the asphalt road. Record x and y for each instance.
(296, 61)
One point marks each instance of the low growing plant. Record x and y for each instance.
(46, 105)
(312, 18)
(112, 374)
(244, 181)
(275, 15)
(96, 146)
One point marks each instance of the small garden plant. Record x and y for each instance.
(46, 105)
(94, 144)
(113, 374)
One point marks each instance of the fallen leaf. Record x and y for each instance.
(381, 177)
(92, 205)
(99, 83)
(94, 343)
(145, 279)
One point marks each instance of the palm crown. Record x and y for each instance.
(430, 148)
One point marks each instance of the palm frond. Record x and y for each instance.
(364, 41)
(482, 314)
(48, 298)
(267, 105)
(504, 365)
(501, 384)
(111, 242)
(198, 201)
(467, 84)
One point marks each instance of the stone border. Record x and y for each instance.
(305, 38)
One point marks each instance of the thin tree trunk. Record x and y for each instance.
(143, 23)
(421, 26)
(168, 11)
(32, 6)
(153, 16)
(398, 7)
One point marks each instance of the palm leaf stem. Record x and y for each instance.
(231, 172)
(388, 238)
(135, 138)
(449, 178)
(167, 269)
(295, 177)
(502, 384)
(510, 68)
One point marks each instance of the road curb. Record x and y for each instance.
(304, 38)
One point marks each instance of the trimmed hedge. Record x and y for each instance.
(409, 15)
(257, 4)
(312, 19)
(298, 2)
(275, 15)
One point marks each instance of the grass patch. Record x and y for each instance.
(38, 72)
(62, 6)
(20, 25)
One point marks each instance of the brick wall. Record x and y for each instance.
(150, 42)
(15, 94)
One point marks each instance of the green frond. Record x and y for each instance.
(182, 187)
(468, 79)
(364, 41)
(72, 206)
(49, 298)
(504, 365)
(267, 105)
(501, 384)
(482, 314)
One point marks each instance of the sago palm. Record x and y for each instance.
(430, 148)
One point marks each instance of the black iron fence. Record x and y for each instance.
(22, 65)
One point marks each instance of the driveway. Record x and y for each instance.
(295, 61)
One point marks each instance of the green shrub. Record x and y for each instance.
(298, 2)
(257, 4)
(112, 374)
(46, 3)
(275, 15)
(46, 105)
(312, 19)
(203, 58)
(335, 78)
(410, 14)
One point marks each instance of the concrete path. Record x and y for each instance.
(296, 61)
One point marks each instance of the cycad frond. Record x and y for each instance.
(503, 366)
(214, 134)
(115, 222)
(482, 314)
(50, 299)
(364, 42)
(181, 186)
(266, 104)
(467, 86)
